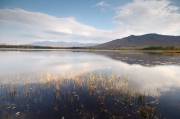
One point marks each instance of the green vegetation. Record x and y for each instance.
(74, 96)
(168, 49)
(44, 47)
(161, 48)
(38, 47)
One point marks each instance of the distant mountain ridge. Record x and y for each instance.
(62, 44)
(142, 41)
(3, 44)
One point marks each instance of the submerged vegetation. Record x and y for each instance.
(86, 96)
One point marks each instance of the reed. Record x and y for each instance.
(76, 96)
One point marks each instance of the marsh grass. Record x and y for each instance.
(90, 95)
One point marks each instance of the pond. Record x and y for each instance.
(69, 84)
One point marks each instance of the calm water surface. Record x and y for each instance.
(155, 75)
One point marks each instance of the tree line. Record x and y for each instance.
(38, 47)
(162, 48)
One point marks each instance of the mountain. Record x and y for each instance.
(62, 44)
(3, 44)
(142, 41)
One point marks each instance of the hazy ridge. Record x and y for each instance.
(62, 44)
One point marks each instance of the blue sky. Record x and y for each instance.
(86, 21)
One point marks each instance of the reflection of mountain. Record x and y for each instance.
(143, 41)
(130, 57)
(62, 44)
(142, 58)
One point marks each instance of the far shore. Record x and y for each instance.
(158, 49)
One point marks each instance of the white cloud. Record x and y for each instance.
(102, 4)
(50, 27)
(40, 21)
(145, 16)
(138, 17)
(103, 10)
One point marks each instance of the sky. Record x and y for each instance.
(85, 21)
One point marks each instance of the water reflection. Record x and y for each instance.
(146, 78)
(156, 75)
(143, 58)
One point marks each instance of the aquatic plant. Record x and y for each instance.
(84, 95)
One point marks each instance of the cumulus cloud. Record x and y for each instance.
(145, 16)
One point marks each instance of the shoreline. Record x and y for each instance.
(147, 49)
